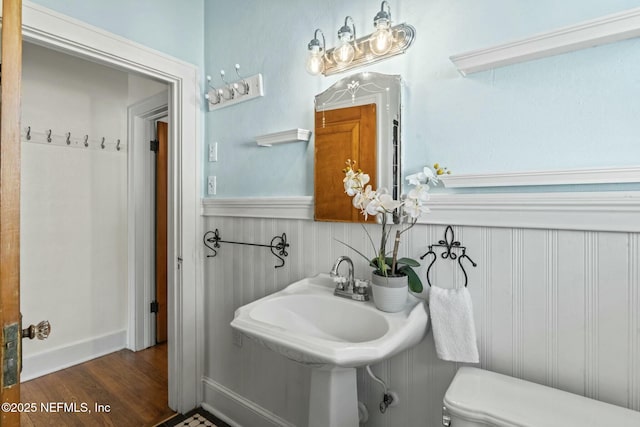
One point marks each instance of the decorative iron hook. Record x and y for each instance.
(118, 145)
(86, 140)
(102, 143)
(68, 138)
(278, 245)
(49, 135)
(214, 239)
(449, 243)
(28, 133)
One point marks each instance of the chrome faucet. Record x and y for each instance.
(348, 287)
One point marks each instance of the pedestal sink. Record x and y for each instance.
(305, 322)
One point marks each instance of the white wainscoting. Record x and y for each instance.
(554, 306)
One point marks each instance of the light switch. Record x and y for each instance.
(211, 185)
(213, 152)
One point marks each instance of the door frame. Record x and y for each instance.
(56, 31)
(141, 121)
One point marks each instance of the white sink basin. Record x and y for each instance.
(307, 323)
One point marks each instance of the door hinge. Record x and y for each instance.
(155, 306)
(154, 145)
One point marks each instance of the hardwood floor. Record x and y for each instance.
(133, 385)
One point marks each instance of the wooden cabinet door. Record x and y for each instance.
(341, 134)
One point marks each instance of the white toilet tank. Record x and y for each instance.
(481, 398)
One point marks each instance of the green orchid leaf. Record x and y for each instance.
(415, 284)
(355, 250)
(408, 261)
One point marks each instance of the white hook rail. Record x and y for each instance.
(68, 139)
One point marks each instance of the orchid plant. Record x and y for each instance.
(380, 203)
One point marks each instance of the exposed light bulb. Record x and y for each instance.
(343, 54)
(315, 61)
(381, 40)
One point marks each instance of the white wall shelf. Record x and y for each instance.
(554, 177)
(607, 29)
(293, 135)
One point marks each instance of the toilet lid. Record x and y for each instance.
(499, 400)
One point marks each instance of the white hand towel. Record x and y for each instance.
(454, 331)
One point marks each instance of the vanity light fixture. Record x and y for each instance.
(351, 52)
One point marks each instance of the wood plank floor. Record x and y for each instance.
(134, 385)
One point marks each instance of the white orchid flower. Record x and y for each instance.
(366, 201)
(425, 176)
(414, 208)
(388, 204)
(354, 182)
(420, 193)
(415, 200)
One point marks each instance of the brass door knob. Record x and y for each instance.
(41, 331)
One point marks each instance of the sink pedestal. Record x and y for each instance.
(333, 401)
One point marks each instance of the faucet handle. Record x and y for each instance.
(339, 281)
(361, 287)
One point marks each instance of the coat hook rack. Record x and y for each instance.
(450, 245)
(29, 134)
(230, 93)
(278, 245)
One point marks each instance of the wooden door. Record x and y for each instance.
(341, 134)
(10, 345)
(161, 232)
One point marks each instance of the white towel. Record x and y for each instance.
(454, 331)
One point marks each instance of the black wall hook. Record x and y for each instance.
(449, 243)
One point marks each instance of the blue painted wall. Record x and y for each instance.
(174, 27)
(571, 111)
(576, 110)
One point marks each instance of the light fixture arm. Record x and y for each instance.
(383, 14)
(346, 29)
(316, 41)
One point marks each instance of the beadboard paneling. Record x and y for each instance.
(557, 307)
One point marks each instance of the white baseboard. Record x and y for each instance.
(53, 360)
(236, 410)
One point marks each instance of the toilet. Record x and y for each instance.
(482, 398)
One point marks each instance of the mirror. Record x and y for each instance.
(357, 118)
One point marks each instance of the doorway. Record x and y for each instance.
(184, 275)
(74, 216)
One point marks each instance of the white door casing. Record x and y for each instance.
(141, 206)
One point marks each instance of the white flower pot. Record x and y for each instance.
(389, 293)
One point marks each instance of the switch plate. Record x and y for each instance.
(213, 152)
(211, 185)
